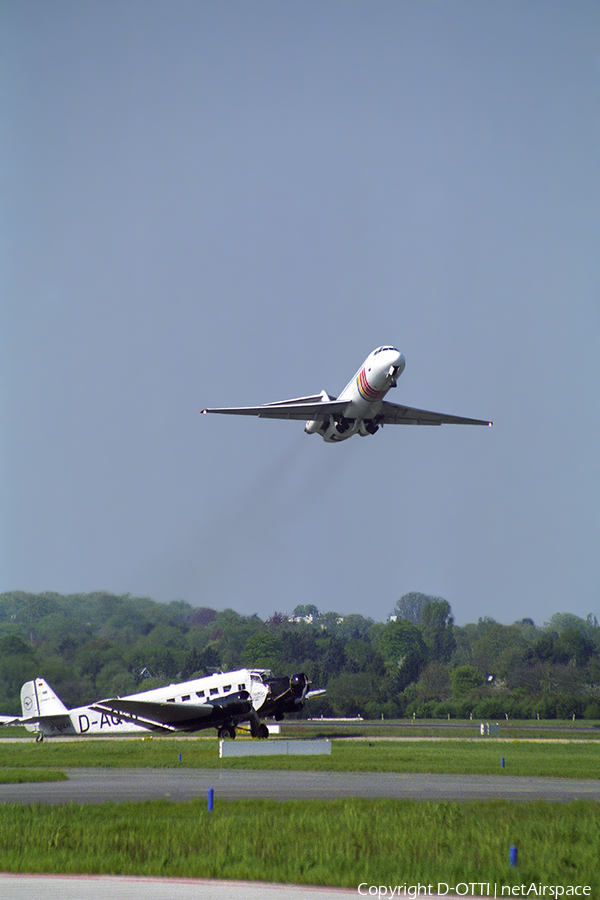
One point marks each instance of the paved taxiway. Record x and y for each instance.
(100, 785)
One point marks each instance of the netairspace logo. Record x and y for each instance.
(473, 889)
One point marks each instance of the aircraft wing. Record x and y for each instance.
(318, 406)
(174, 716)
(394, 414)
(163, 715)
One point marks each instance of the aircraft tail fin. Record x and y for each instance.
(38, 699)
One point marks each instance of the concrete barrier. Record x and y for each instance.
(273, 748)
(489, 729)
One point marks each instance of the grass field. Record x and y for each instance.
(341, 843)
(570, 760)
(22, 775)
(440, 728)
(579, 729)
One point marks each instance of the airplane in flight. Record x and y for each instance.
(222, 701)
(359, 409)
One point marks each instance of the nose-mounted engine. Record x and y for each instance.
(298, 685)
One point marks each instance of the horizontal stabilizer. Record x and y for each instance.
(56, 721)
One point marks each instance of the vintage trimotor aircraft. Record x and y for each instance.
(222, 701)
(360, 408)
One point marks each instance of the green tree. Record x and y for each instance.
(297, 645)
(574, 646)
(403, 650)
(465, 680)
(350, 693)
(497, 643)
(263, 651)
(434, 683)
(304, 610)
(410, 606)
(437, 626)
(561, 621)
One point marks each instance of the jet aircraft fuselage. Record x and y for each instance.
(361, 407)
(363, 394)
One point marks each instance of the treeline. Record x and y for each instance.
(419, 663)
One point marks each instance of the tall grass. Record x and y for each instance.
(343, 842)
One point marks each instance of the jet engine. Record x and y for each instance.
(333, 429)
(368, 426)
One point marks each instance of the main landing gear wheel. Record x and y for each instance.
(262, 731)
(227, 732)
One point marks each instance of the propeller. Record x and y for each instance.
(299, 685)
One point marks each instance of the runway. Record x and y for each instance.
(113, 887)
(110, 887)
(95, 785)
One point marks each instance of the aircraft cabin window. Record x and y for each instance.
(187, 697)
(241, 687)
(199, 693)
(171, 700)
(214, 690)
(227, 688)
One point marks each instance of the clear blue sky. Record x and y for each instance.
(213, 204)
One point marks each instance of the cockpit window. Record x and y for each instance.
(261, 675)
(380, 349)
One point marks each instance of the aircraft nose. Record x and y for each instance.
(398, 360)
(298, 684)
(397, 363)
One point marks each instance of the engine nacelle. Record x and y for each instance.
(314, 427)
(367, 426)
(333, 430)
(299, 685)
